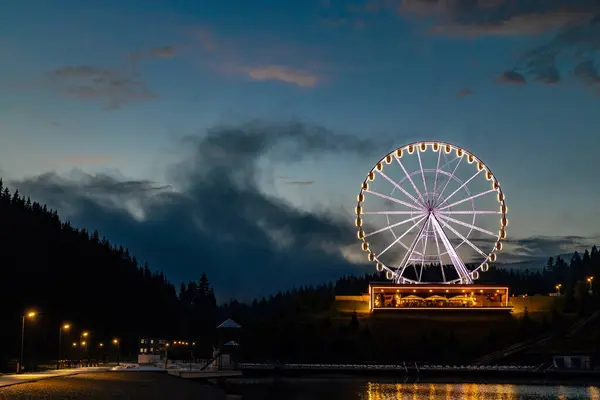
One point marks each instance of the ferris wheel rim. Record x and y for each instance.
(441, 219)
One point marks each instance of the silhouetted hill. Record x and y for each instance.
(73, 275)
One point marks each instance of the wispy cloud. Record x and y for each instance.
(299, 182)
(166, 51)
(465, 92)
(282, 74)
(511, 78)
(255, 59)
(490, 17)
(86, 160)
(111, 86)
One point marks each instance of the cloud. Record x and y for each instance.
(299, 182)
(533, 248)
(166, 51)
(86, 159)
(215, 217)
(257, 60)
(110, 86)
(206, 39)
(465, 92)
(511, 77)
(282, 74)
(587, 72)
(573, 27)
(496, 17)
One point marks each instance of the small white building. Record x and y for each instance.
(151, 350)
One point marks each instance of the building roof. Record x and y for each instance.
(232, 343)
(229, 323)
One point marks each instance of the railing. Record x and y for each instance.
(383, 367)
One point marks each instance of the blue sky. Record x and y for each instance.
(110, 89)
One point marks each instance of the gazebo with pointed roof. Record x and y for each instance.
(229, 324)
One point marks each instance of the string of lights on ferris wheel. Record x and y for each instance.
(431, 213)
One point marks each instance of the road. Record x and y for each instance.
(113, 386)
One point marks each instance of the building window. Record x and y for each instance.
(143, 341)
(152, 341)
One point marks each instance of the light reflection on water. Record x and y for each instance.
(472, 391)
(299, 390)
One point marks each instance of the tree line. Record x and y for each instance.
(75, 275)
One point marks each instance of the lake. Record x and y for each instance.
(334, 390)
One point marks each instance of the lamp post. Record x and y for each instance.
(30, 315)
(558, 288)
(117, 343)
(590, 279)
(63, 327)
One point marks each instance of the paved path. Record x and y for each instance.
(15, 379)
(114, 386)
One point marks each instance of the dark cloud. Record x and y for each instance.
(215, 218)
(534, 248)
(573, 27)
(488, 17)
(587, 72)
(300, 182)
(111, 86)
(542, 66)
(568, 46)
(511, 77)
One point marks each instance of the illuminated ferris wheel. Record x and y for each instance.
(431, 212)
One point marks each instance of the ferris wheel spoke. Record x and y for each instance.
(437, 244)
(465, 183)
(466, 225)
(395, 200)
(468, 199)
(424, 247)
(399, 238)
(392, 213)
(400, 188)
(437, 170)
(422, 173)
(458, 264)
(449, 179)
(393, 226)
(469, 212)
(411, 181)
(409, 253)
(467, 241)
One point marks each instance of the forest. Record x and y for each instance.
(75, 275)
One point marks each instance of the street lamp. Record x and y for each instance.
(589, 280)
(117, 343)
(63, 327)
(558, 288)
(30, 315)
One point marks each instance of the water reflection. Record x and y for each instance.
(472, 391)
(353, 390)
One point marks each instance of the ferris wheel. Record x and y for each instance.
(431, 212)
